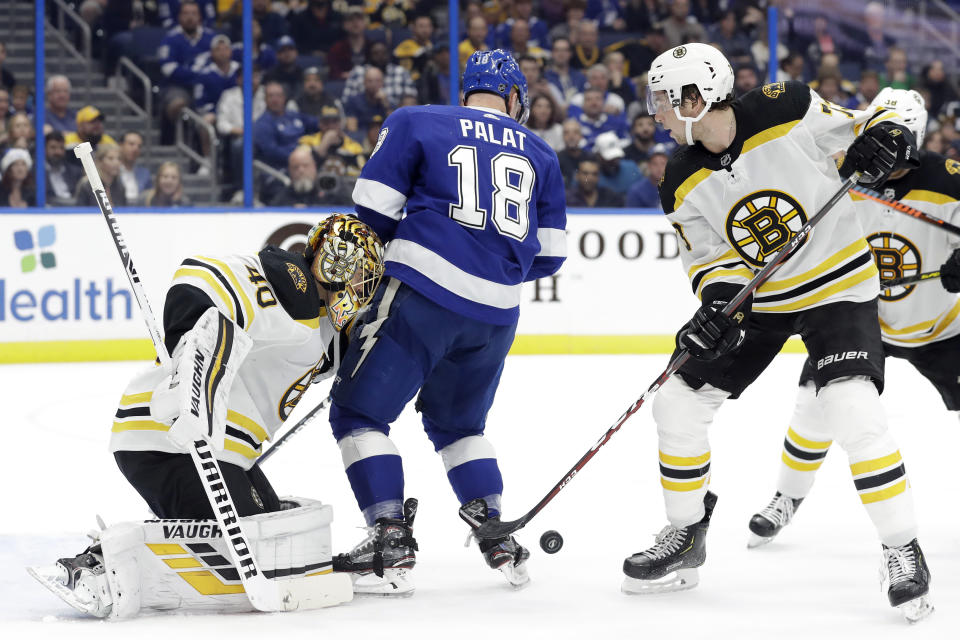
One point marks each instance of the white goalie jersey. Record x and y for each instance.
(918, 314)
(734, 211)
(273, 298)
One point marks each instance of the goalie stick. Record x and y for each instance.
(908, 280)
(492, 529)
(295, 429)
(264, 594)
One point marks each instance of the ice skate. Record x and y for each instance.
(80, 581)
(504, 554)
(765, 526)
(906, 578)
(671, 563)
(381, 564)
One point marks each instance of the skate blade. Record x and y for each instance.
(49, 578)
(916, 610)
(679, 580)
(758, 541)
(395, 583)
(516, 576)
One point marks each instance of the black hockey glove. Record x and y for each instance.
(879, 151)
(711, 334)
(950, 273)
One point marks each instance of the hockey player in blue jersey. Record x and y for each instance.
(485, 212)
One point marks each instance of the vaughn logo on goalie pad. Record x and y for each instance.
(195, 388)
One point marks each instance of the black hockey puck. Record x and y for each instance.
(551, 541)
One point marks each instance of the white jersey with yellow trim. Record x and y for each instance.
(271, 296)
(735, 210)
(919, 314)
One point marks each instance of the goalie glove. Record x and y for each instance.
(879, 151)
(711, 334)
(950, 273)
(207, 361)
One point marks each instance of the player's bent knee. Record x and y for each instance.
(365, 443)
(679, 410)
(853, 412)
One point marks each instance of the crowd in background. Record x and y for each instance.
(326, 74)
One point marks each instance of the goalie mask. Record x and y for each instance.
(346, 259)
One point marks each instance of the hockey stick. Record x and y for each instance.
(905, 208)
(908, 280)
(264, 594)
(295, 429)
(491, 529)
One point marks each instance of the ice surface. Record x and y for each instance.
(818, 580)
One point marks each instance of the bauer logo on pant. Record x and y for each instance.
(896, 257)
(760, 224)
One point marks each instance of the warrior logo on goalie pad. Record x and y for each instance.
(896, 257)
(760, 224)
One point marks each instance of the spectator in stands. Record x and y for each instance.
(302, 190)
(532, 70)
(641, 53)
(349, 52)
(397, 82)
(745, 78)
(315, 27)
(7, 79)
(823, 41)
(20, 99)
(168, 11)
(433, 86)
(272, 25)
(619, 83)
(89, 129)
(62, 176)
(264, 55)
(598, 77)
(942, 89)
(609, 14)
(502, 37)
(829, 86)
(934, 142)
(277, 131)
(178, 51)
(616, 172)
(107, 158)
(728, 35)
(15, 190)
(876, 45)
(216, 77)
(560, 74)
(586, 53)
(361, 108)
(59, 116)
(585, 191)
(642, 131)
(169, 189)
(134, 177)
(20, 133)
(312, 98)
(336, 152)
(475, 40)
(682, 26)
(791, 68)
(644, 193)
(412, 54)
(593, 120)
(287, 71)
(574, 148)
(5, 111)
(574, 12)
(545, 117)
(869, 87)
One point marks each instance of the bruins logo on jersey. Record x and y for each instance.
(773, 90)
(896, 257)
(296, 390)
(299, 280)
(953, 167)
(761, 223)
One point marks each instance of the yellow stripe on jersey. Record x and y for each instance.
(859, 468)
(744, 273)
(243, 421)
(216, 285)
(688, 185)
(890, 115)
(139, 425)
(883, 494)
(136, 398)
(729, 255)
(313, 323)
(800, 466)
(767, 135)
(914, 328)
(845, 253)
(242, 449)
(932, 197)
(944, 324)
(228, 272)
(681, 486)
(680, 461)
(807, 444)
(847, 283)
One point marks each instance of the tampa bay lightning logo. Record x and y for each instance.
(380, 139)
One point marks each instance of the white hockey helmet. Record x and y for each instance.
(697, 64)
(908, 104)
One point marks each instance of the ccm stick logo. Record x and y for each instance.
(224, 505)
(840, 357)
(195, 387)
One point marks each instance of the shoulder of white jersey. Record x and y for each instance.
(772, 105)
(290, 278)
(684, 171)
(220, 279)
(936, 180)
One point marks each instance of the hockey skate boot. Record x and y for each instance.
(671, 563)
(381, 564)
(504, 554)
(80, 581)
(906, 578)
(765, 526)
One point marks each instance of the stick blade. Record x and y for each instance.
(493, 529)
(302, 594)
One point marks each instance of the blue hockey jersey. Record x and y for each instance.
(485, 207)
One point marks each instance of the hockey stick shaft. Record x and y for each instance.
(492, 529)
(896, 205)
(908, 280)
(295, 429)
(264, 594)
